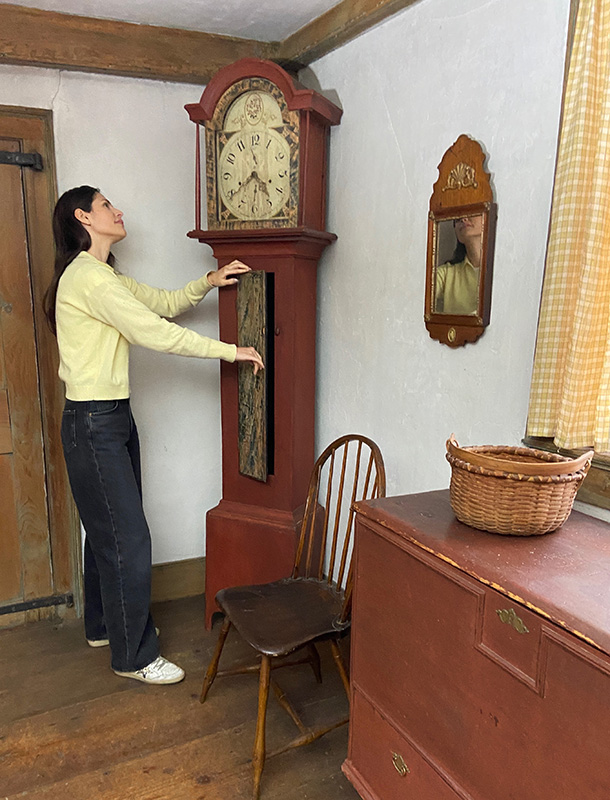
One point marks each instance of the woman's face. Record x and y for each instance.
(104, 220)
(468, 228)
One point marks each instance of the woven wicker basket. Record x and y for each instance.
(513, 490)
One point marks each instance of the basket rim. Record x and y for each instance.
(486, 459)
(499, 474)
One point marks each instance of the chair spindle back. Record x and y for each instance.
(350, 469)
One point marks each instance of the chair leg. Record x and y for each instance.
(213, 667)
(340, 665)
(258, 757)
(314, 660)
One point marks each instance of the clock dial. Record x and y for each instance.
(253, 158)
(254, 173)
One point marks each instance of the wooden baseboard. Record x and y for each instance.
(169, 582)
(34, 615)
(178, 579)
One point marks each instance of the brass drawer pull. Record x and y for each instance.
(508, 616)
(399, 765)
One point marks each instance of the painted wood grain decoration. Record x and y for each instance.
(252, 389)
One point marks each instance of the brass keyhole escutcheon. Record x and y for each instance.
(509, 617)
(451, 335)
(399, 765)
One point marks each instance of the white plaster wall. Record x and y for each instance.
(133, 139)
(493, 70)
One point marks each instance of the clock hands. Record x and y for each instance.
(260, 182)
(255, 177)
(249, 191)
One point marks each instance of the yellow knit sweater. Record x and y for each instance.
(457, 288)
(100, 313)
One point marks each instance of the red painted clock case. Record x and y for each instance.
(251, 534)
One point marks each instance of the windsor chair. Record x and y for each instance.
(279, 619)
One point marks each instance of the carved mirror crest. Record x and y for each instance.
(461, 235)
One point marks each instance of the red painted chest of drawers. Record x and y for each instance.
(480, 663)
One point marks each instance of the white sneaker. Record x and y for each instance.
(106, 642)
(159, 671)
(98, 642)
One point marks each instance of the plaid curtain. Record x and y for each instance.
(570, 393)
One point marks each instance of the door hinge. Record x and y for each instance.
(39, 602)
(33, 160)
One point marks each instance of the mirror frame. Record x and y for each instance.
(462, 190)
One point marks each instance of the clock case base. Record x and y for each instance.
(247, 545)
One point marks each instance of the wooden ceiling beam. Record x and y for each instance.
(336, 27)
(33, 37)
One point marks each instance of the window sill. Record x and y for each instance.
(595, 489)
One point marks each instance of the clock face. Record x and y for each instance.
(253, 159)
(254, 173)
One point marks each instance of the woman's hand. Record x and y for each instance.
(250, 354)
(228, 274)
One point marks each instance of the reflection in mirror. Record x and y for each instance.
(457, 273)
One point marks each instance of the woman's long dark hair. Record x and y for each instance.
(71, 238)
(459, 254)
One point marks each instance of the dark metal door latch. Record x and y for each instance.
(33, 160)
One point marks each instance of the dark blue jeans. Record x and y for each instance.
(102, 453)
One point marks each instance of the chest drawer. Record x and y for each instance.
(383, 765)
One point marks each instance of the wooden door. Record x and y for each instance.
(35, 515)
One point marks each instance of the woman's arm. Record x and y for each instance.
(171, 303)
(106, 298)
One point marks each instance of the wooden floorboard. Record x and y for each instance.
(70, 728)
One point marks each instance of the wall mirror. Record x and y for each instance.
(461, 235)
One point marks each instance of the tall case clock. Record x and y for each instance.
(264, 180)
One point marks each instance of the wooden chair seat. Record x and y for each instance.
(280, 617)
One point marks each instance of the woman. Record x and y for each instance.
(96, 313)
(457, 281)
